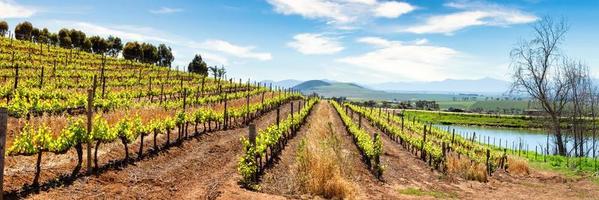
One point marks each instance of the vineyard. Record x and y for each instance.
(80, 125)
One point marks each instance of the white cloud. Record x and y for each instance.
(10, 9)
(135, 33)
(392, 9)
(406, 61)
(215, 58)
(166, 10)
(343, 14)
(376, 41)
(381, 42)
(315, 44)
(183, 48)
(234, 50)
(471, 14)
(421, 42)
(312, 9)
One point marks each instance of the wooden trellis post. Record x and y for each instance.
(452, 136)
(247, 107)
(422, 154)
(402, 123)
(3, 125)
(225, 115)
(359, 121)
(488, 163)
(42, 78)
(16, 76)
(252, 134)
(90, 104)
(278, 113)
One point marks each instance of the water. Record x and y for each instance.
(525, 139)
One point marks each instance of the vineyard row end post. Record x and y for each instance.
(3, 130)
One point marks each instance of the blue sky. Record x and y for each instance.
(365, 41)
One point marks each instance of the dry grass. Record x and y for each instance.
(466, 169)
(517, 166)
(320, 163)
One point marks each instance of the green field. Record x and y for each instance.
(502, 106)
(515, 121)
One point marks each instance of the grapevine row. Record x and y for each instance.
(370, 149)
(269, 142)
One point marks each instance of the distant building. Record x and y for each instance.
(534, 112)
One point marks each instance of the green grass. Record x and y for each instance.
(420, 192)
(514, 121)
(489, 105)
(500, 105)
(465, 105)
(570, 167)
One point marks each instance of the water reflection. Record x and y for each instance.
(525, 139)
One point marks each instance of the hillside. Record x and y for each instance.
(356, 92)
(309, 85)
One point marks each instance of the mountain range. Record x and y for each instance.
(488, 86)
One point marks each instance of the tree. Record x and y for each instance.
(579, 81)
(77, 37)
(165, 56)
(221, 72)
(44, 36)
(149, 53)
(35, 34)
(23, 31)
(214, 71)
(3, 28)
(53, 39)
(132, 51)
(82, 38)
(115, 46)
(87, 45)
(99, 45)
(198, 66)
(538, 69)
(64, 38)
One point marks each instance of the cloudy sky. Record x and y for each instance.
(366, 41)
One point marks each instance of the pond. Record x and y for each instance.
(511, 138)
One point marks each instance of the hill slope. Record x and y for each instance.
(309, 85)
(357, 92)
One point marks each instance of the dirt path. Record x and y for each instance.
(280, 179)
(195, 169)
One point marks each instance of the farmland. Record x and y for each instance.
(94, 109)
(150, 123)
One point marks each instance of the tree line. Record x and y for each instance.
(75, 39)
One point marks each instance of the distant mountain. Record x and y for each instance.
(357, 92)
(289, 83)
(308, 85)
(484, 85)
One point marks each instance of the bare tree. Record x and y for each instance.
(538, 70)
(578, 79)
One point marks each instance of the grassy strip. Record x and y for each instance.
(514, 121)
(419, 192)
